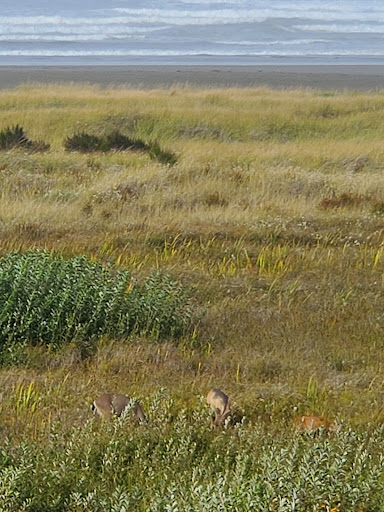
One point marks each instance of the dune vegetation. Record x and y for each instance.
(160, 243)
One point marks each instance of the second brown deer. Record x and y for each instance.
(313, 423)
(220, 404)
(108, 405)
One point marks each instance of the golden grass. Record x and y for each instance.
(272, 215)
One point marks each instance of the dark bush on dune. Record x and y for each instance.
(84, 142)
(120, 142)
(15, 137)
(116, 141)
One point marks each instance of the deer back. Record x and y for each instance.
(109, 404)
(220, 404)
(102, 406)
(311, 423)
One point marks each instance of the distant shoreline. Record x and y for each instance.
(332, 77)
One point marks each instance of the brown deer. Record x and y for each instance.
(312, 423)
(108, 405)
(220, 404)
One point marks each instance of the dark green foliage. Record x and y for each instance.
(53, 301)
(120, 142)
(162, 156)
(14, 137)
(83, 142)
(116, 141)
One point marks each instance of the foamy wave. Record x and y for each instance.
(71, 38)
(176, 53)
(77, 26)
(153, 17)
(182, 28)
(291, 42)
(312, 11)
(357, 28)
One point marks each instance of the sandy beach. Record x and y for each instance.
(359, 78)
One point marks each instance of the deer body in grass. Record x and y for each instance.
(108, 405)
(220, 404)
(312, 423)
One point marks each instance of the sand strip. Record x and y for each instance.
(360, 78)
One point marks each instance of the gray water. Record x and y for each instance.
(121, 32)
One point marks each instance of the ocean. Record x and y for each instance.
(182, 32)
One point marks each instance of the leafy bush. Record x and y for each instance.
(13, 137)
(185, 466)
(117, 141)
(53, 301)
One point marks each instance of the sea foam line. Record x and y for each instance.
(176, 53)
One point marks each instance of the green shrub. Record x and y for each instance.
(117, 141)
(53, 301)
(14, 137)
(84, 142)
(120, 142)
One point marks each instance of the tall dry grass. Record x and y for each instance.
(272, 215)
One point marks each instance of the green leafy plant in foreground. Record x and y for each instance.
(50, 300)
(185, 466)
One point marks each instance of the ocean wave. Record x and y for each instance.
(196, 17)
(182, 28)
(357, 28)
(312, 11)
(76, 30)
(180, 53)
(59, 23)
(70, 38)
(291, 42)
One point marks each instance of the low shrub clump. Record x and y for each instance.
(117, 141)
(84, 142)
(49, 300)
(15, 137)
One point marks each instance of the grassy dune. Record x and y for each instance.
(272, 217)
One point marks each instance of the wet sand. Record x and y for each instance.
(359, 78)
